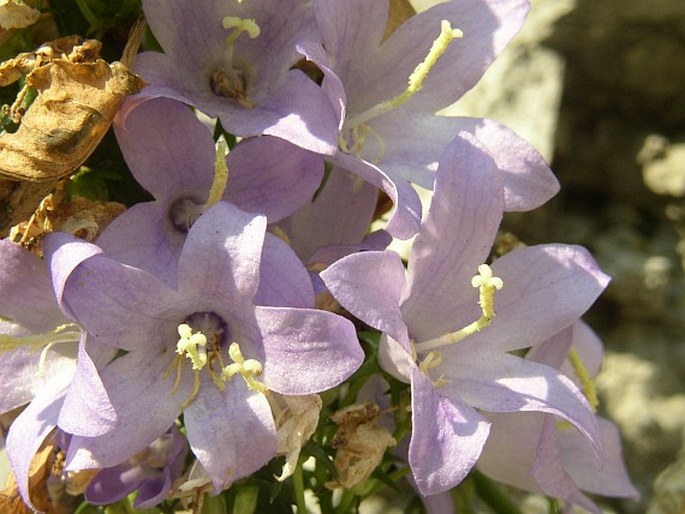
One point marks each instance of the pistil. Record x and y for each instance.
(356, 127)
(487, 284)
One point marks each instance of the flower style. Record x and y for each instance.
(534, 452)
(172, 154)
(235, 60)
(388, 92)
(452, 370)
(204, 349)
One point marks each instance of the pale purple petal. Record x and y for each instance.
(413, 142)
(231, 432)
(487, 26)
(549, 472)
(455, 238)
(447, 437)
(270, 176)
(306, 351)
(609, 480)
(497, 382)
(118, 305)
(87, 398)
(551, 284)
(350, 29)
(141, 237)
(26, 295)
(510, 450)
(283, 280)
(230, 243)
(340, 215)
(405, 218)
(370, 286)
(169, 151)
(144, 403)
(529, 182)
(63, 253)
(22, 378)
(28, 431)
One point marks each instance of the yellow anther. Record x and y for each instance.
(432, 360)
(586, 382)
(248, 369)
(220, 174)
(487, 284)
(192, 346)
(241, 25)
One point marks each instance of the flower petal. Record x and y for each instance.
(230, 242)
(145, 406)
(447, 437)
(499, 382)
(306, 351)
(552, 285)
(370, 286)
(455, 238)
(231, 432)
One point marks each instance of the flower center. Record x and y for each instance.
(356, 127)
(230, 81)
(487, 284)
(185, 211)
(202, 337)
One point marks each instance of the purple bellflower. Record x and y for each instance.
(204, 349)
(533, 451)
(150, 473)
(172, 154)
(440, 333)
(388, 91)
(235, 60)
(42, 366)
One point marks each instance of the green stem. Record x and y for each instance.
(298, 489)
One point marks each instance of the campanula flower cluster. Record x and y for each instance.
(209, 333)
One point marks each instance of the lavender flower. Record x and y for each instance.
(534, 452)
(171, 153)
(388, 92)
(150, 473)
(427, 313)
(235, 60)
(40, 344)
(204, 350)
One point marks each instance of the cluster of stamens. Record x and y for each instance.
(206, 354)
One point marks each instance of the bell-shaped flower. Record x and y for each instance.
(172, 155)
(440, 332)
(388, 92)
(236, 61)
(533, 451)
(39, 347)
(150, 473)
(205, 349)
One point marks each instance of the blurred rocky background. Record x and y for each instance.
(599, 87)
